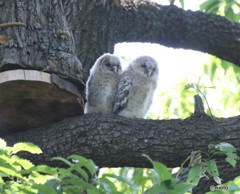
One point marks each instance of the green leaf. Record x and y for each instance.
(109, 187)
(1, 181)
(182, 3)
(229, 13)
(26, 190)
(64, 173)
(213, 70)
(225, 65)
(155, 189)
(195, 174)
(4, 157)
(72, 189)
(161, 169)
(63, 160)
(44, 189)
(82, 172)
(228, 9)
(229, 150)
(161, 189)
(28, 147)
(83, 184)
(183, 187)
(91, 191)
(124, 180)
(78, 158)
(210, 6)
(10, 172)
(212, 168)
(225, 147)
(45, 170)
(169, 101)
(89, 164)
(232, 158)
(3, 144)
(26, 164)
(188, 86)
(54, 183)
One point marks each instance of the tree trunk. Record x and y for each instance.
(89, 21)
(40, 39)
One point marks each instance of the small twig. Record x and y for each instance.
(204, 99)
(172, 2)
(198, 105)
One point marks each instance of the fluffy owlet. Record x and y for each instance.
(102, 84)
(136, 88)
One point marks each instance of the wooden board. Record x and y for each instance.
(30, 99)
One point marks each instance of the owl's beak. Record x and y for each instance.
(149, 73)
(115, 69)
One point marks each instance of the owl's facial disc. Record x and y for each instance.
(147, 69)
(115, 68)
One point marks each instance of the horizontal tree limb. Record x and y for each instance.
(114, 141)
(174, 27)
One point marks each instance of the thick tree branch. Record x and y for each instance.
(148, 22)
(174, 27)
(115, 141)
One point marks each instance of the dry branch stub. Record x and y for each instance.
(30, 99)
(198, 105)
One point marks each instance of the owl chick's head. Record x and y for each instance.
(146, 66)
(108, 63)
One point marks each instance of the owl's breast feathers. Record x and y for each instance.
(122, 93)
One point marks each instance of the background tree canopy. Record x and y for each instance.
(63, 33)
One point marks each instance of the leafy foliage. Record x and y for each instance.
(204, 164)
(227, 8)
(166, 183)
(218, 83)
(225, 77)
(18, 175)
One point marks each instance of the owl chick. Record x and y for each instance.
(102, 84)
(136, 88)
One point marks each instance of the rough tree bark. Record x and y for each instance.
(43, 41)
(148, 22)
(39, 39)
(115, 141)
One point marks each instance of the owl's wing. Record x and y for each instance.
(122, 93)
